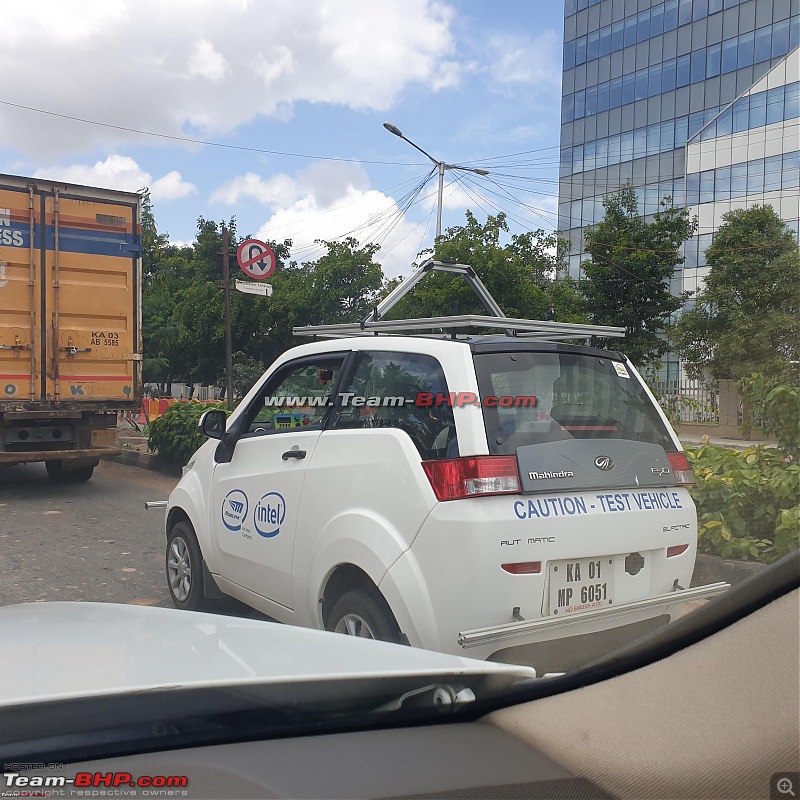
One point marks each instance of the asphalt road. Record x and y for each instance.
(84, 541)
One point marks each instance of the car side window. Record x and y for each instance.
(298, 396)
(387, 390)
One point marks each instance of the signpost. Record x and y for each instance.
(256, 260)
(247, 287)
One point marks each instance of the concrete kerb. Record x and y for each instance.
(134, 458)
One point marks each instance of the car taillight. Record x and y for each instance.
(681, 469)
(676, 550)
(455, 478)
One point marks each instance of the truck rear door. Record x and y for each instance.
(19, 302)
(91, 315)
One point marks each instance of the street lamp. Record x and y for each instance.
(440, 165)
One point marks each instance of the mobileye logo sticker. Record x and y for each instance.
(604, 463)
(270, 514)
(234, 509)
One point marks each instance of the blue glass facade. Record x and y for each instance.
(648, 84)
(696, 99)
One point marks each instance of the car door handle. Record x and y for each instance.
(298, 454)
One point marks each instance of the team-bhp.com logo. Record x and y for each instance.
(234, 509)
(421, 399)
(35, 785)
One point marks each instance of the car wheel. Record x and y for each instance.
(57, 473)
(364, 614)
(184, 566)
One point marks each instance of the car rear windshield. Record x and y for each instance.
(531, 397)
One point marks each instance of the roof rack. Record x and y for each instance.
(373, 324)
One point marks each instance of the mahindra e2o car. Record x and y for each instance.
(487, 495)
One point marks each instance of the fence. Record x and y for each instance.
(183, 391)
(691, 401)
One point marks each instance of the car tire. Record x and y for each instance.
(183, 564)
(364, 614)
(57, 473)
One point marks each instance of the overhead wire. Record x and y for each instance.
(205, 142)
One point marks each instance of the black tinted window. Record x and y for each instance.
(385, 386)
(576, 397)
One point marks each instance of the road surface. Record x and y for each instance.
(82, 541)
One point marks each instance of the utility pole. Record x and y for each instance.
(226, 273)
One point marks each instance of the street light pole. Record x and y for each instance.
(440, 165)
(441, 195)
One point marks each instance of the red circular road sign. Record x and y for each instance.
(256, 259)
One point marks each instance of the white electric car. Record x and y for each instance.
(513, 497)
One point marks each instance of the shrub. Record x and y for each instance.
(174, 434)
(775, 400)
(747, 502)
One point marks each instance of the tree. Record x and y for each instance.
(341, 286)
(523, 275)
(627, 277)
(200, 307)
(747, 316)
(163, 265)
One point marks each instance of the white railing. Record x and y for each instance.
(690, 401)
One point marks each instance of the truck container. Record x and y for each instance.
(70, 322)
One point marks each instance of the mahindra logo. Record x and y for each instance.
(541, 476)
(604, 463)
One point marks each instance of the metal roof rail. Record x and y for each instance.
(373, 324)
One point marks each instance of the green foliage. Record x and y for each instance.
(246, 371)
(174, 434)
(748, 312)
(747, 503)
(627, 280)
(523, 275)
(775, 400)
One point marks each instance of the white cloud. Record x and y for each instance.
(328, 200)
(206, 62)
(171, 187)
(162, 66)
(122, 173)
(532, 61)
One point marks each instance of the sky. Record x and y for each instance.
(272, 111)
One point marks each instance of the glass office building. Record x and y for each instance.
(699, 100)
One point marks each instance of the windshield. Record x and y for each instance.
(559, 396)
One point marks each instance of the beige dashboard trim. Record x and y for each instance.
(714, 720)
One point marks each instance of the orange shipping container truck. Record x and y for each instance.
(70, 322)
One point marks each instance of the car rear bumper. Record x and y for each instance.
(528, 629)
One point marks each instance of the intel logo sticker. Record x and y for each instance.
(270, 514)
(234, 509)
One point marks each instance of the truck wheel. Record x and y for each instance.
(57, 473)
(364, 614)
(184, 566)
